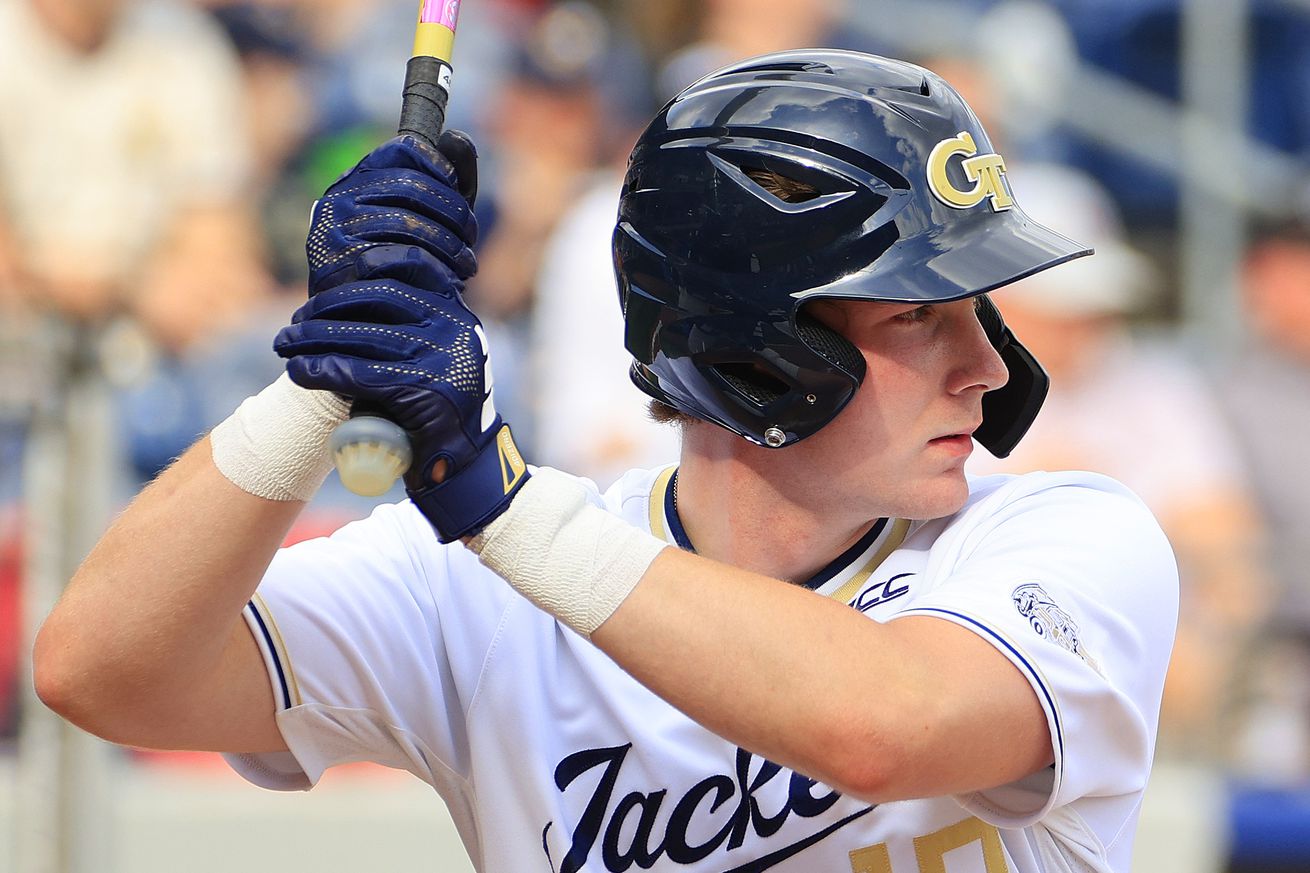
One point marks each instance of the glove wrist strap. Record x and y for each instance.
(467, 500)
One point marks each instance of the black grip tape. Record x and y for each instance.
(423, 111)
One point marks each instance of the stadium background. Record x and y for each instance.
(157, 161)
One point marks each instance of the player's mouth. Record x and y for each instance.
(956, 443)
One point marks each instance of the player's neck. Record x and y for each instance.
(733, 512)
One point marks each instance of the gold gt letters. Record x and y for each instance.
(985, 171)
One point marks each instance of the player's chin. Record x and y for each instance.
(939, 495)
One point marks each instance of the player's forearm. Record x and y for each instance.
(719, 643)
(147, 617)
(912, 708)
(713, 639)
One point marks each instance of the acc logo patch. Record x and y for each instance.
(987, 172)
(1050, 621)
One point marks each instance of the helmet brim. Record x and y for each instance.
(956, 261)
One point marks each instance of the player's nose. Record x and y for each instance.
(980, 364)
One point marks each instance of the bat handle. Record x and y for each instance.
(423, 109)
(371, 452)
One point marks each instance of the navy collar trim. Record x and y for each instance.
(835, 566)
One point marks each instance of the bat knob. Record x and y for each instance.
(371, 453)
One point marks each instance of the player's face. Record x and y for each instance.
(899, 446)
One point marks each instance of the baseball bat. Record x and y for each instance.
(370, 451)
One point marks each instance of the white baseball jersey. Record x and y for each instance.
(384, 645)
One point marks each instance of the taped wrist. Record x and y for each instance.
(275, 445)
(572, 559)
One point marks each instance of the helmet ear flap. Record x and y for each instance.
(764, 382)
(830, 345)
(1009, 411)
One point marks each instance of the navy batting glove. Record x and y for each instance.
(421, 359)
(403, 212)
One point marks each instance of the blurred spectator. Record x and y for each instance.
(1015, 74)
(121, 152)
(544, 135)
(281, 115)
(178, 396)
(122, 166)
(1141, 413)
(1267, 393)
(546, 131)
(729, 30)
(591, 420)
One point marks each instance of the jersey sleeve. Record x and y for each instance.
(374, 639)
(1077, 586)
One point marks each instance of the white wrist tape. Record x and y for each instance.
(572, 559)
(275, 444)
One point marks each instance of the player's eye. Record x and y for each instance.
(916, 315)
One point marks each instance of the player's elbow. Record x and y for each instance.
(60, 683)
(889, 753)
(69, 679)
(54, 679)
(863, 780)
(857, 760)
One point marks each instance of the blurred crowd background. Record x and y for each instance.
(158, 159)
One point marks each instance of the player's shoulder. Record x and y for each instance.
(1066, 510)
(991, 493)
(1063, 506)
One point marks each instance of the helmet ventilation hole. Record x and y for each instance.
(751, 382)
(784, 188)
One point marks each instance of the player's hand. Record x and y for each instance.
(385, 325)
(421, 359)
(404, 212)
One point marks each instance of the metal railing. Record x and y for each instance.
(1225, 177)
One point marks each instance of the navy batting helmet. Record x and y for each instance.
(802, 175)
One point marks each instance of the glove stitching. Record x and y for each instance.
(384, 288)
(400, 214)
(405, 371)
(363, 328)
(321, 251)
(389, 289)
(465, 378)
(420, 184)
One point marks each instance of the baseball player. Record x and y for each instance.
(811, 645)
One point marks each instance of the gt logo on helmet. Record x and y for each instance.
(985, 171)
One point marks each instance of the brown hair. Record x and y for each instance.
(782, 187)
(662, 413)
